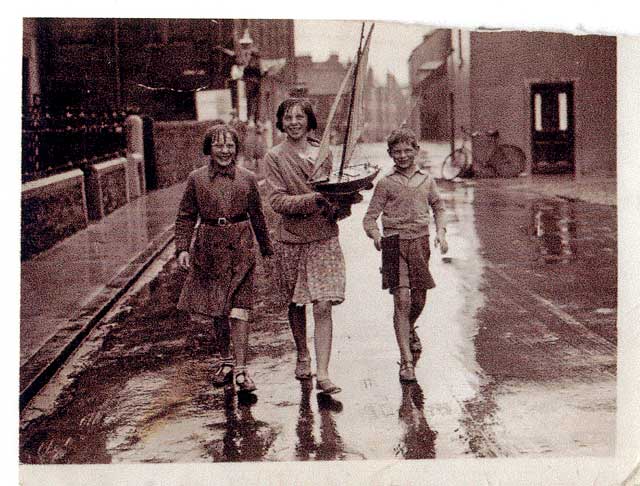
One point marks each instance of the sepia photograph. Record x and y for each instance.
(324, 251)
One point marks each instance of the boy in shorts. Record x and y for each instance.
(403, 197)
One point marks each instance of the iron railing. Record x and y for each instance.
(55, 141)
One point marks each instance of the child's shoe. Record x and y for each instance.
(303, 369)
(244, 382)
(407, 373)
(414, 342)
(223, 373)
(327, 387)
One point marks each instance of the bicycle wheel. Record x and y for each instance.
(454, 164)
(508, 160)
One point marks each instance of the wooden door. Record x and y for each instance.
(552, 127)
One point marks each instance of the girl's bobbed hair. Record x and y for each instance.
(218, 130)
(305, 106)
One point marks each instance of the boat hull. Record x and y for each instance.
(354, 179)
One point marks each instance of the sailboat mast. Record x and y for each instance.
(351, 103)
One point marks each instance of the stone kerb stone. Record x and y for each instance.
(53, 208)
(107, 187)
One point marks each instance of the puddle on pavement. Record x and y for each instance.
(330, 445)
(562, 250)
(151, 377)
(554, 226)
(538, 369)
(418, 440)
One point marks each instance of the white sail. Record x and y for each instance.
(358, 113)
(358, 69)
(323, 151)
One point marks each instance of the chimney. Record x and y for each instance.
(304, 61)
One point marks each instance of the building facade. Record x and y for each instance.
(155, 65)
(386, 109)
(551, 94)
(429, 86)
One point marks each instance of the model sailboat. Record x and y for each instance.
(348, 178)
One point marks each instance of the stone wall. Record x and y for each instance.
(106, 188)
(53, 208)
(56, 207)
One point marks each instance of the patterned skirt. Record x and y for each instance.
(312, 272)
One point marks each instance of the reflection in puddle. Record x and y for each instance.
(330, 446)
(245, 438)
(555, 227)
(418, 441)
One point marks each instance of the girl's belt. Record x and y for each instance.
(224, 221)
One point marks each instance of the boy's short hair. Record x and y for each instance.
(305, 106)
(217, 130)
(402, 135)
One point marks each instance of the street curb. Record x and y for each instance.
(40, 368)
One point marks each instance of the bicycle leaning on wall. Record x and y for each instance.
(504, 161)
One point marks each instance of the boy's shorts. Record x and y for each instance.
(414, 265)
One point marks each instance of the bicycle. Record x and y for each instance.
(505, 160)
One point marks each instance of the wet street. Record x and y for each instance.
(519, 356)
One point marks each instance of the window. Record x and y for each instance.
(562, 111)
(537, 105)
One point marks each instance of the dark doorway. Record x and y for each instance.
(552, 127)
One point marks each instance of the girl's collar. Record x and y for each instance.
(216, 169)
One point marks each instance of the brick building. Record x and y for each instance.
(154, 64)
(385, 105)
(320, 82)
(386, 108)
(551, 94)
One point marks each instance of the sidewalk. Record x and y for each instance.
(64, 289)
(596, 189)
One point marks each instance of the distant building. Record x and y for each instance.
(320, 82)
(551, 94)
(429, 86)
(385, 106)
(386, 109)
